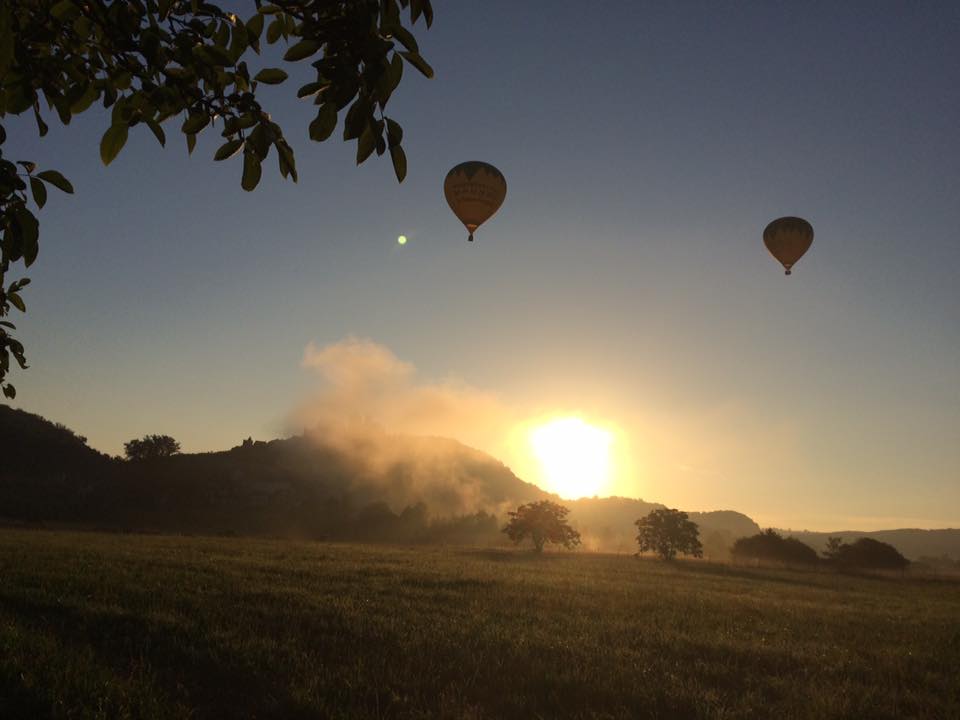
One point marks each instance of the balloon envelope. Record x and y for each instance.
(475, 191)
(787, 239)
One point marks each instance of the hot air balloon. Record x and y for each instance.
(787, 239)
(475, 191)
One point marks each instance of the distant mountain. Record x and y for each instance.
(339, 485)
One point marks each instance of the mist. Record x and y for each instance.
(372, 406)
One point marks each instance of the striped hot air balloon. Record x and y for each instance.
(787, 239)
(475, 191)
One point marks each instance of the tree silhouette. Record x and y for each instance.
(187, 62)
(771, 546)
(542, 522)
(832, 551)
(668, 532)
(151, 446)
(871, 554)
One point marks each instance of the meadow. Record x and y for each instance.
(134, 626)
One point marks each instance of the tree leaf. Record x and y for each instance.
(39, 192)
(310, 89)
(222, 36)
(195, 123)
(29, 234)
(215, 55)
(191, 143)
(418, 62)
(405, 37)
(271, 76)
(240, 41)
(123, 80)
(89, 96)
(41, 125)
(366, 144)
(17, 302)
(255, 26)
(394, 132)
(251, 171)
(64, 10)
(113, 141)
(228, 149)
(10, 391)
(57, 180)
(357, 119)
(287, 162)
(395, 72)
(247, 120)
(258, 141)
(325, 123)
(302, 50)
(399, 158)
(274, 30)
(157, 132)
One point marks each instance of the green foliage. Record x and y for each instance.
(151, 447)
(543, 521)
(154, 627)
(668, 532)
(148, 61)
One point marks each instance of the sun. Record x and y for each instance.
(574, 457)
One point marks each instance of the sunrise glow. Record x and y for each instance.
(573, 457)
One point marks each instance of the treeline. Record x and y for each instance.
(376, 522)
(864, 553)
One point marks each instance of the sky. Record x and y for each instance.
(624, 281)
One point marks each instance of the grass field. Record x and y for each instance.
(111, 626)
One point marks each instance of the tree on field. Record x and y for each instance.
(832, 550)
(668, 532)
(151, 446)
(771, 546)
(542, 522)
(149, 61)
(871, 554)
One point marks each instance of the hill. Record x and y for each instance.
(357, 485)
(368, 487)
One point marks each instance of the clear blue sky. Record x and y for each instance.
(645, 146)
